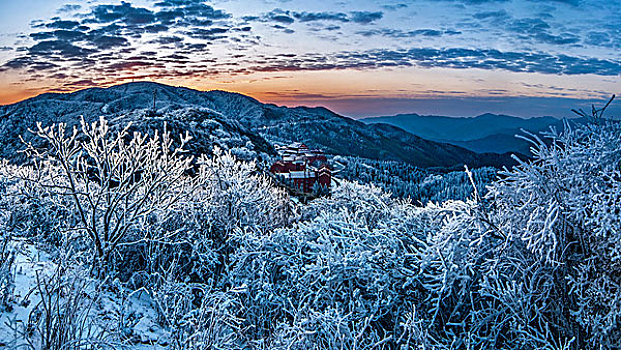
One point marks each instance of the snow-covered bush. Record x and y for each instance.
(478, 290)
(64, 315)
(115, 184)
(366, 199)
(26, 209)
(534, 264)
(564, 208)
(198, 318)
(238, 195)
(6, 252)
(7, 282)
(193, 242)
(336, 281)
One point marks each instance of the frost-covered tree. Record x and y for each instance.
(407, 181)
(336, 281)
(564, 208)
(114, 182)
(533, 264)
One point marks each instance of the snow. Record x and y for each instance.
(28, 262)
(31, 261)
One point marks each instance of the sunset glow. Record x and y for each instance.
(359, 58)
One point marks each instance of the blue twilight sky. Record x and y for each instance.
(359, 58)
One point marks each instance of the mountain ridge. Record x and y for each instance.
(317, 126)
(487, 132)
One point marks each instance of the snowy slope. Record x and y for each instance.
(102, 311)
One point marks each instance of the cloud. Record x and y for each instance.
(394, 7)
(569, 2)
(61, 24)
(280, 16)
(286, 17)
(477, 2)
(501, 14)
(59, 76)
(156, 28)
(455, 58)
(68, 8)
(128, 65)
(598, 39)
(539, 30)
(528, 29)
(562, 39)
(125, 13)
(166, 40)
(189, 13)
(395, 33)
(192, 38)
(80, 83)
(208, 34)
(58, 47)
(365, 17)
(107, 42)
(107, 31)
(17, 63)
(170, 16)
(321, 16)
(283, 28)
(61, 34)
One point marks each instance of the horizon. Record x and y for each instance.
(453, 58)
(309, 106)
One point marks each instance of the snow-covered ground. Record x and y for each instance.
(29, 262)
(110, 315)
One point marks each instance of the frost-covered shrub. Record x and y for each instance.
(370, 201)
(236, 195)
(7, 281)
(64, 315)
(534, 264)
(26, 209)
(193, 240)
(199, 318)
(112, 184)
(336, 281)
(7, 255)
(564, 208)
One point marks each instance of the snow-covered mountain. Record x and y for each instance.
(233, 121)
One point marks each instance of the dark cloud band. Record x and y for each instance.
(456, 58)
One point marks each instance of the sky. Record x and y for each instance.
(357, 57)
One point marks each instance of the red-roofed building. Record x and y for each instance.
(302, 167)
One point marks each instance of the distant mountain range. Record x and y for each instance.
(484, 133)
(233, 121)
